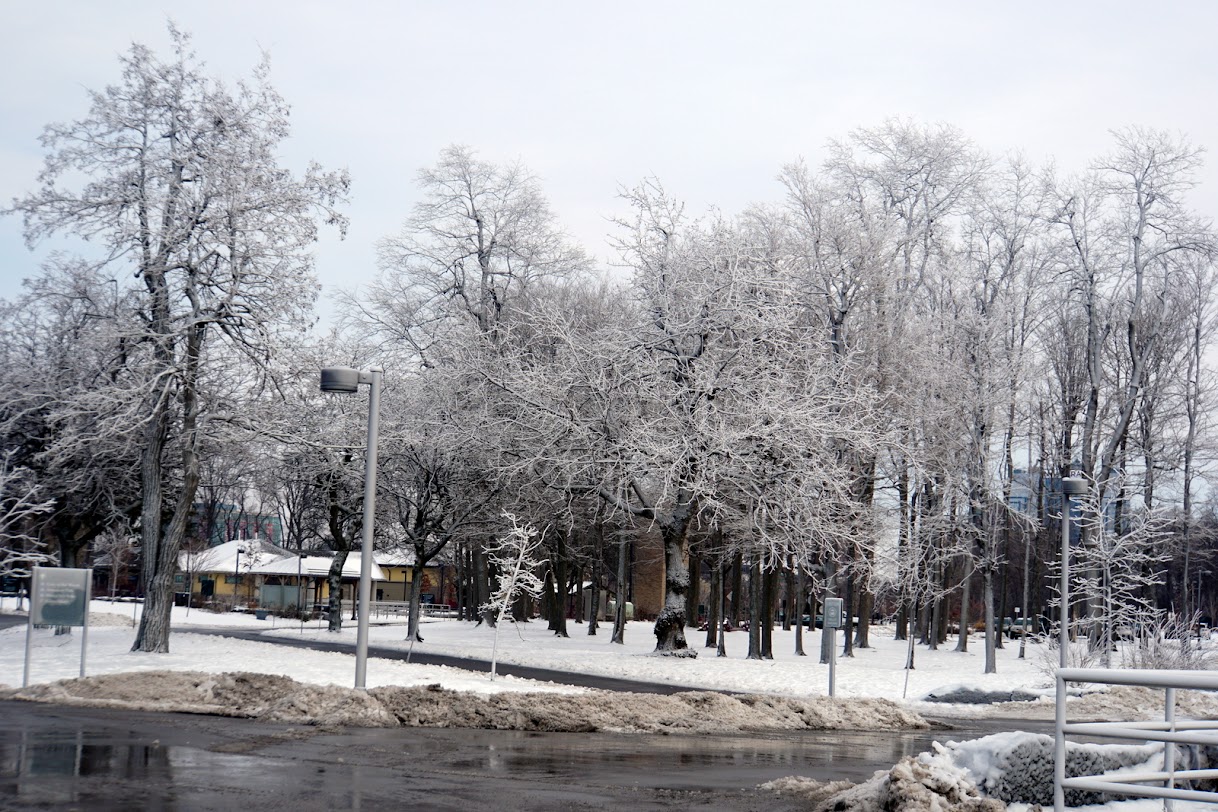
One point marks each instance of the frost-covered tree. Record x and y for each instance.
(176, 179)
(514, 556)
(21, 506)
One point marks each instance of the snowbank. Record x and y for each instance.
(982, 775)
(282, 699)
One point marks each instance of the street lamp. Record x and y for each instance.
(347, 381)
(1072, 486)
(237, 574)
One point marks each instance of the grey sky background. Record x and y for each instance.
(710, 97)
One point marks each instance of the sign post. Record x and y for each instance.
(833, 620)
(59, 597)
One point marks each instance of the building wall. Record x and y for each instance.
(647, 591)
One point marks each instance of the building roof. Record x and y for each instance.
(315, 566)
(259, 557)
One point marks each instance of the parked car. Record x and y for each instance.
(1037, 628)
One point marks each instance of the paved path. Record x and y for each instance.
(468, 664)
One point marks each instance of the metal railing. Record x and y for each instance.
(1171, 732)
(402, 609)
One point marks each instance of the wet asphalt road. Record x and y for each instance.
(56, 757)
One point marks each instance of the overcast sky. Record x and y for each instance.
(710, 97)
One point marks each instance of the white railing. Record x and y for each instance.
(1171, 731)
(402, 609)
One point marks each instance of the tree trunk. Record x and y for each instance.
(713, 623)
(799, 612)
(594, 608)
(619, 614)
(737, 589)
(848, 622)
(416, 601)
(769, 602)
(693, 598)
(335, 583)
(721, 647)
(755, 600)
(670, 625)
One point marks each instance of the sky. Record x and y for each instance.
(712, 98)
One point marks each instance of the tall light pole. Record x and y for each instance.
(237, 574)
(1072, 486)
(347, 380)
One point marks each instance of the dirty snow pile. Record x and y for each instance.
(1004, 771)
(278, 698)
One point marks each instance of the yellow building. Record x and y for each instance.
(258, 574)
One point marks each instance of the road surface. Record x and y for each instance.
(57, 757)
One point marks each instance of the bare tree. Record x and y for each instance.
(20, 506)
(177, 179)
(514, 555)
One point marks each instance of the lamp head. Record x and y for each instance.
(339, 379)
(1074, 486)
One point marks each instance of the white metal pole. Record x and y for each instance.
(84, 632)
(29, 629)
(1059, 742)
(832, 655)
(365, 564)
(1169, 748)
(1064, 631)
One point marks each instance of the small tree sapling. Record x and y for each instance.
(515, 558)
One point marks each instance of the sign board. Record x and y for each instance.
(61, 596)
(835, 615)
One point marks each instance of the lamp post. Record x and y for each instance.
(237, 574)
(1071, 487)
(347, 380)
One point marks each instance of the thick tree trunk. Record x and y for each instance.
(416, 601)
(335, 583)
(619, 613)
(670, 625)
(153, 634)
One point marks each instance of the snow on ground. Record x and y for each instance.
(199, 675)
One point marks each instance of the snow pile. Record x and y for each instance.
(282, 699)
(1019, 766)
(975, 776)
(916, 784)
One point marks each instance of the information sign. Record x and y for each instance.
(60, 596)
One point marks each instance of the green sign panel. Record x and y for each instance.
(61, 597)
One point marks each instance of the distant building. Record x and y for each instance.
(216, 523)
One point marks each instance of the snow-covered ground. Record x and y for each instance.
(875, 673)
